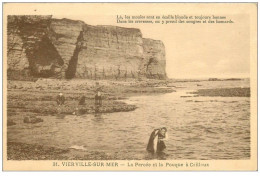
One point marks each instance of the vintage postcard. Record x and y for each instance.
(130, 86)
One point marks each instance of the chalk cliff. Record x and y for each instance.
(40, 46)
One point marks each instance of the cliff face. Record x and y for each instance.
(64, 36)
(29, 49)
(154, 62)
(109, 52)
(39, 46)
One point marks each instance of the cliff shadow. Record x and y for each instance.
(45, 59)
(72, 68)
(30, 48)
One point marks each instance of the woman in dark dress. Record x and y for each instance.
(82, 100)
(156, 142)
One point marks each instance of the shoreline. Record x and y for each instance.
(23, 151)
(40, 97)
(36, 99)
(41, 102)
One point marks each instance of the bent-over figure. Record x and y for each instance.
(156, 142)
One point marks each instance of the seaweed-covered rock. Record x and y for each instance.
(32, 120)
(10, 123)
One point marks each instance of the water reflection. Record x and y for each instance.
(98, 118)
(60, 116)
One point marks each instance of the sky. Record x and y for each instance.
(192, 50)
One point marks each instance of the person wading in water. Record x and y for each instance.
(60, 101)
(78, 110)
(156, 142)
(82, 100)
(98, 98)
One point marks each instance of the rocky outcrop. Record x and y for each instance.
(10, 122)
(39, 46)
(154, 63)
(64, 35)
(32, 120)
(29, 48)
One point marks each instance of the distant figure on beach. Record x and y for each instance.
(82, 100)
(98, 98)
(156, 142)
(60, 99)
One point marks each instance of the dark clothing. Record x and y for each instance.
(150, 142)
(98, 100)
(160, 144)
(82, 100)
(60, 99)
